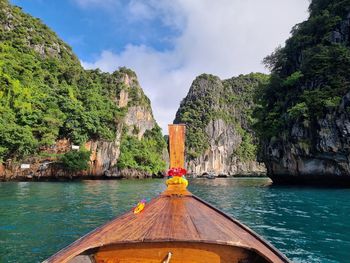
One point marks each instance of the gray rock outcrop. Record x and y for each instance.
(217, 114)
(224, 139)
(304, 118)
(317, 153)
(104, 154)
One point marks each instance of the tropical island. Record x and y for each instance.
(63, 121)
(86, 95)
(60, 121)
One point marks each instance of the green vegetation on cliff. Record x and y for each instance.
(144, 155)
(75, 161)
(310, 74)
(210, 99)
(45, 94)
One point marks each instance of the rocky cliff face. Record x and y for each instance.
(317, 153)
(220, 157)
(138, 119)
(50, 105)
(217, 115)
(304, 110)
(104, 153)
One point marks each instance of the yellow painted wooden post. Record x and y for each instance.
(177, 145)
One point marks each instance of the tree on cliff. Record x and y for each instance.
(75, 161)
(46, 95)
(310, 74)
(304, 110)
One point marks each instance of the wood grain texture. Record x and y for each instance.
(174, 216)
(181, 253)
(177, 145)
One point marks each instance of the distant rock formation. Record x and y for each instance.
(104, 154)
(50, 105)
(218, 117)
(304, 116)
(317, 154)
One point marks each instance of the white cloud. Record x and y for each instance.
(140, 11)
(224, 37)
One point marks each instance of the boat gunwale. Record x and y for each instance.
(206, 242)
(88, 234)
(246, 228)
(220, 243)
(95, 249)
(97, 245)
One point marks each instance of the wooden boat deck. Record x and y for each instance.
(174, 216)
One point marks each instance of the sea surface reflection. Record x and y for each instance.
(307, 224)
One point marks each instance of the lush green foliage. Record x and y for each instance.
(145, 154)
(76, 160)
(45, 94)
(230, 100)
(247, 150)
(310, 74)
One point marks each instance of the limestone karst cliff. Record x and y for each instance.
(49, 105)
(218, 117)
(304, 123)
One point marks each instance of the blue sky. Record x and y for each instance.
(170, 42)
(90, 28)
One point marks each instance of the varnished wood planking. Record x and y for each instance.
(175, 215)
(177, 145)
(181, 253)
(177, 190)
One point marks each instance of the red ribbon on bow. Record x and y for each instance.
(177, 172)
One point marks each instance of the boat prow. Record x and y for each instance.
(174, 227)
(177, 226)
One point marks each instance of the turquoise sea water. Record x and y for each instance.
(307, 224)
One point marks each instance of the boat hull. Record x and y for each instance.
(156, 252)
(175, 222)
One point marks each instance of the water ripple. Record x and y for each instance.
(309, 225)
